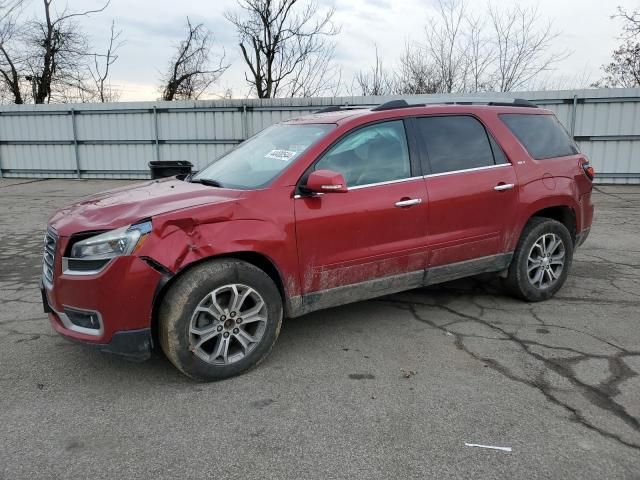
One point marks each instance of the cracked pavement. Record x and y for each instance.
(392, 387)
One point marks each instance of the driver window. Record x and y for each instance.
(373, 154)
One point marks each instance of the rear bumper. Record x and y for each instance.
(584, 218)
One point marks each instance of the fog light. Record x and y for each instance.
(84, 319)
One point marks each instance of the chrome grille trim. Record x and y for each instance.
(49, 257)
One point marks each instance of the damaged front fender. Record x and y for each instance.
(177, 242)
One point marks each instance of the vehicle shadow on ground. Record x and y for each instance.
(296, 337)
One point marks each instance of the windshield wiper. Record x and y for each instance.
(206, 181)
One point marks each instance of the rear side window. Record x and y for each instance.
(498, 154)
(455, 143)
(542, 135)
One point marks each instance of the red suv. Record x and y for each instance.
(335, 207)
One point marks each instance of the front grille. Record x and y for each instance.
(49, 257)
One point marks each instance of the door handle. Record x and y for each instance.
(503, 186)
(408, 203)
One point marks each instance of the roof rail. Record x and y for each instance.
(516, 102)
(328, 109)
(497, 102)
(393, 104)
(338, 108)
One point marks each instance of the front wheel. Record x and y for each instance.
(220, 319)
(541, 262)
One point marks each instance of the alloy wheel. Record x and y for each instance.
(227, 324)
(546, 261)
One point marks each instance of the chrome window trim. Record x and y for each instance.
(67, 271)
(467, 170)
(388, 182)
(452, 172)
(66, 322)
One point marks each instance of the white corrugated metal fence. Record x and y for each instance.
(118, 140)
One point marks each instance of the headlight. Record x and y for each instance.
(122, 241)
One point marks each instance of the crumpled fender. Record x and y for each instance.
(177, 241)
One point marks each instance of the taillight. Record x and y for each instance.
(588, 169)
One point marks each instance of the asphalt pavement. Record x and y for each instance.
(388, 388)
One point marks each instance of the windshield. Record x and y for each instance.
(258, 160)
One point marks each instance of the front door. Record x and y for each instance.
(472, 190)
(375, 230)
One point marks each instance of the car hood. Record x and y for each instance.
(123, 206)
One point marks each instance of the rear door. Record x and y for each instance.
(471, 186)
(377, 228)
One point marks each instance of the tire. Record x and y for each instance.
(208, 344)
(523, 278)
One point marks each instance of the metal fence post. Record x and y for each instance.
(0, 159)
(157, 134)
(75, 142)
(574, 111)
(245, 123)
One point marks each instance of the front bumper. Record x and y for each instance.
(131, 344)
(121, 296)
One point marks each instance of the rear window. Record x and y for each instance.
(542, 135)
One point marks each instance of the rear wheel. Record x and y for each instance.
(220, 319)
(541, 262)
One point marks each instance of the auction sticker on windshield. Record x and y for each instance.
(284, 155)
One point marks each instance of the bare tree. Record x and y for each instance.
(443, 36)
(9, 7)
(191, 70)
(319, 76)
(454, 57)
(102, 67)
(480, 56)
(376, 81)
(280, 43)
(576, 80)
(45, 59)
(465, 53)
(624, 68)
(10, 76)
(416, 73)
(522, 48)
(9, 62)
(437, 65)
(631, 27)
(57, 52)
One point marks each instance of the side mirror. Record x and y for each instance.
(326, 181)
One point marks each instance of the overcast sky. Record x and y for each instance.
(152, 27)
